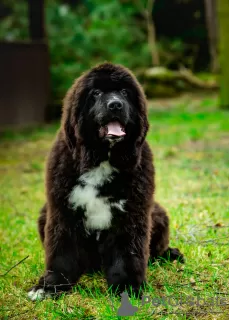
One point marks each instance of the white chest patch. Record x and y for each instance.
(98, 215)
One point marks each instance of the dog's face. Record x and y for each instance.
(110, 114)
(107, 106)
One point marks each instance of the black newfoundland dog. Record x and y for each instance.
(100, 212)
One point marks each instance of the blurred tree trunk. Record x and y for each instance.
(223, 15)
(212, 29)
(36, 19)
(152, 34)
(147, 13)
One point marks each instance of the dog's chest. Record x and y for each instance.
(98, 207)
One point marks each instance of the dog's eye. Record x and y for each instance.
(124, 92)
(96, 92)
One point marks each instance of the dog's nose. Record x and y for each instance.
(115, 105)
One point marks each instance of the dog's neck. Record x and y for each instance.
(122, 156)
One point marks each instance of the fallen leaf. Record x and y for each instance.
(219, 224)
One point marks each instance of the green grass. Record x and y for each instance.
(190, 141)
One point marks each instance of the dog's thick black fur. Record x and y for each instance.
(100, 212)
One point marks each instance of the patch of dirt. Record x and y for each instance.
(220, 143)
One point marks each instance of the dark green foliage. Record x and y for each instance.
(89, 35)
(15, 26)
(96, 31)
(80, 37)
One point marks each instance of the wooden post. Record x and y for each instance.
(223, 15)
(36, 19)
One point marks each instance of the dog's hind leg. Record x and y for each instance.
(159, 245)
(41, 223)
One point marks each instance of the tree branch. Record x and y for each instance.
(4, 274)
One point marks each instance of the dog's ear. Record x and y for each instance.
(69, 117)
(141, 104)
(143, 120)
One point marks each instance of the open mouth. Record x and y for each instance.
(112, 130)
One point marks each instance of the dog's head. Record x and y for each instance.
(110, 113)
(105, 106)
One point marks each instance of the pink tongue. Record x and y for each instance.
(115, 129)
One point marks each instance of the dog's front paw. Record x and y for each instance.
(39, 293)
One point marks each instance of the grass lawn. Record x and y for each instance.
(190, 140)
